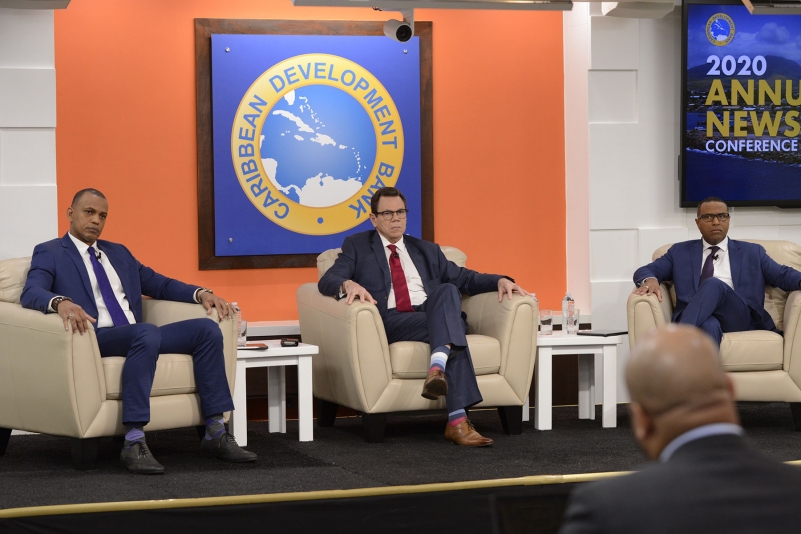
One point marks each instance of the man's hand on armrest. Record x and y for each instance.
(74, 316)
(508, 287)
(648, 286)
(353, 290)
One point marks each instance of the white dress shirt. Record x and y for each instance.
(722, 265)
(103, 316)
(416, 291)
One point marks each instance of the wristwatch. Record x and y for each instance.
(57, 301)
(200, 291)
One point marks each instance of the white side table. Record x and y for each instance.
(587, 347)
(275, 357)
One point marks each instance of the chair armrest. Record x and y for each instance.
(513, 322)
(645, 312)
(51, 380)
(792, 334)
(163, 312)
(353, 366)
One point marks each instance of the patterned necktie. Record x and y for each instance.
(114, 309)
(403, 302)
(709, 269)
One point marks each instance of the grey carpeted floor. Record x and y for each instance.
(37, 470)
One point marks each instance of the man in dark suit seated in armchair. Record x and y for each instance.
(719, 282)
(95, 283)
(704, 478)
(418, 295)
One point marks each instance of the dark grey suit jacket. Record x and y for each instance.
(364, 261)
(717, 484)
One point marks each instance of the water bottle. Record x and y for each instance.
(241, 338)
(567, 304)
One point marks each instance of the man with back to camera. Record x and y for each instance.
(418, 295)
(705, 478)
(719, 282)
(85, 281)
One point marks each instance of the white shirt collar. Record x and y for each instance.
(713, 429)
(401, 246)
(80, 245)
(723, 245)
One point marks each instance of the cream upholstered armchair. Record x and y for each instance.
(763, 365)
(55, 382)
(357, 368)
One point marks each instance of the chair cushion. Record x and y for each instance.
(174, 375)
(13, 273)
(410, 359)
(757, 350)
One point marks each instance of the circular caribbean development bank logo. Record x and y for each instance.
(720, 29)
(313, 136)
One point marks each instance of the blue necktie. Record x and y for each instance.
(708, 270)
(114, 309)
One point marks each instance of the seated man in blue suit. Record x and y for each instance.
(418, 294)
(704, 476)
(91, 283)
(719, 282)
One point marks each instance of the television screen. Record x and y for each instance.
(741, 106)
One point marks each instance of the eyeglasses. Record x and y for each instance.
(388, 215)
(722, 217)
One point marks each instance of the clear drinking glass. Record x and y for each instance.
(572, 321)
(546, 322)
(242, 338)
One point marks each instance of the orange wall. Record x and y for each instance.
(126, 125)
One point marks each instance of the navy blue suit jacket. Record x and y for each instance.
(57, 269)
(364, 261)
(751, 270)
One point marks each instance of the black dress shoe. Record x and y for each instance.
(137, 459)
(225, 448)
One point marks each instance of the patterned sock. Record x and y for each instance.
(135, 434)
(439, 357)
(456, 418)
(214, 426)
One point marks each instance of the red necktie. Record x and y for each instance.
(403, 303)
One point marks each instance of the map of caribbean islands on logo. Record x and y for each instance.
(313, 138)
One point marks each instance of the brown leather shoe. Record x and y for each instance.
(465, 434)
(436, 385)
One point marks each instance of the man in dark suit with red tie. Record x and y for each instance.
(93, 283)
(719, 282)
(418, 295)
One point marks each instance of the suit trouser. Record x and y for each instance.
(141, 344)
(440, 321)
(716, 308)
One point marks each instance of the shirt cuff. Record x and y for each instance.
(50, 305)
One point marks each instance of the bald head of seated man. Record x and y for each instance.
(704, 476)
(676, 383)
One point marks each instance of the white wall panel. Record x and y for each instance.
(576, 34)
(609, 303)
(755, 232)
(790, 233)
(613, 254)
(28, 97)
(765, 216)
(659, 95)
(632, 180)
(612, 96)
(615, 43)
(28, 216)
(27, 156)
(650, 239)
(26, 38)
